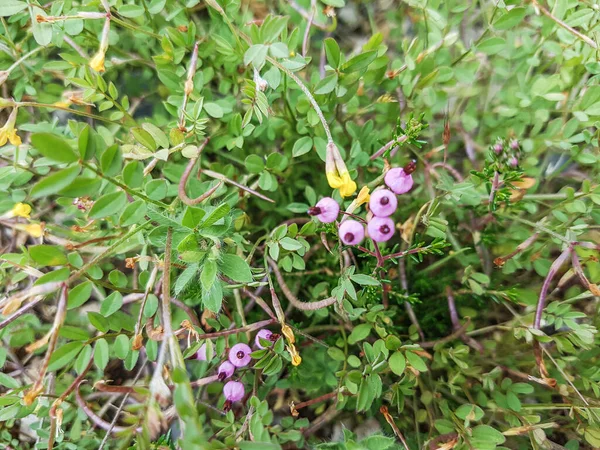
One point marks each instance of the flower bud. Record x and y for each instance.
(233, 391)
(383, 203)
(265, 335)
(239, 355)
(225, 370)
(351, 232)
(326, 210)
(398, 180)
(380, 229)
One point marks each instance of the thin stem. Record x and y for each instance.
(305, 306)
(67, 109)
(247, 189)
(558, 262)
(123, 186)
(61, 311)
(389, 145)
(308, 94)
(562, 24)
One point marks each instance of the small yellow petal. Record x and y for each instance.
(334, 180)
(348, 186)
(97, 62)
(363, 196)
(21, 210)
(35, 230)
(14, 138)
(3, 137)
(288, 333)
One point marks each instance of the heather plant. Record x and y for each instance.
(290, 224)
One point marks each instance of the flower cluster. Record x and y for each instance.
(508, 153)
(382, 204)
(239, 356)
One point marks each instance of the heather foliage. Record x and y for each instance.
(299, 224)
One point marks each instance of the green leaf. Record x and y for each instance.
(301, 146)
(79, 294)
(144, 138)
(101, 354)
(121, 346)
(98, 321)
(108, 205)
(290, 244)
(213, 298)
(133, 213)
(332, 50)
(55, 182)
(510, 19)
(213, 110)
(53, 147)
(486, 435)
(157, 134)
(254, 164)
(327, 84)
(469, 412)
(397, 363)
(47, 255)
(217, 214)
(235, 268)
(416, 362)
(10, 7)
(364, 280)
(111, 161)
(63, 355)
(208, 274)
(359, 333)
(256, 54)
(111, 304)
(131, 11)
(358, 62)
(492, 45)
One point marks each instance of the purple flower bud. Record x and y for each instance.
(351, 232)
(380, 229)
(201, 353)
(514, 144)
(233, 391)
(398, 180)
(513, 162)
(498, 148)
(326, 210)
(383, 203)
(239, 355)
(265, 335)
(225, 370)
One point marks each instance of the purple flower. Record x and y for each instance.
(265, 335)
(514, 144)
(399, 180)
(233, 391)
(513, 162)
(383, 203)
(380, 229)
(326, 210)
(498, 148)
(225, 370)
(239, 355)
(351, 232)
(201, 353)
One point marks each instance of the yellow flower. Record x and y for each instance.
(363, 197)
(337, 174)
(296, 359)
(35, 230)
(8, 132)
(97, 62)
(21, 210)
